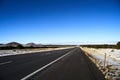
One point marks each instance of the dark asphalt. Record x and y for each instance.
(74, 66)
(18, 66)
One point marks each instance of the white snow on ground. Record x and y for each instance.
(112, 55)
(111, 70)
(25, 51)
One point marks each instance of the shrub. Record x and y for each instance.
(118, 45)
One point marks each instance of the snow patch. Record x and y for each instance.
(107, 60)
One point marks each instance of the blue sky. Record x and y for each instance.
(60, 21)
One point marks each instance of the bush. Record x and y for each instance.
(118, 45)
(19, 46)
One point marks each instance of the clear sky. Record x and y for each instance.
(60, 21)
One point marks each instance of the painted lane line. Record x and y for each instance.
(5, 62)
(28, 76)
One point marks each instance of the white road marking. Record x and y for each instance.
(28, 76)
(5, 62)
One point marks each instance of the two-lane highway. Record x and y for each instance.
(67, 64)
(18, 66)
(74, 66)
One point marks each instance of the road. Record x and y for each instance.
(17, 66)
(67, 64)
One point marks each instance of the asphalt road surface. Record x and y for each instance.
(67, 64)
(17, 66)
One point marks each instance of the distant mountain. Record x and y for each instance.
(13, 44)
(16, 45)
(33, 45)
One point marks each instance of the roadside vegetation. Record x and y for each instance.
(117, 46)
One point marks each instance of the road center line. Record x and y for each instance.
(28, 76)
(5, 62)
